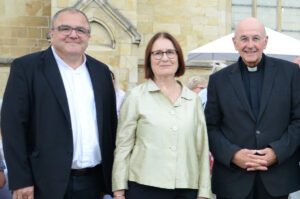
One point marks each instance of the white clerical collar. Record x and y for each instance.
(252, 69)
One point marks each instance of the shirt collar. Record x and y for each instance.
(260, 66)
(152, 86)
(185, 93)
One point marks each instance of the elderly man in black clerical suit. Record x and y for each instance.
(253, 120)
(59, 117)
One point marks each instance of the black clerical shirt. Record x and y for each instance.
(253, 82)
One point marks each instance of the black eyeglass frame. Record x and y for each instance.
(67, 30)
(158, 54)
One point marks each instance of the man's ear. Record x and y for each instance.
(266, 41)
(51, 33)
(234, 42)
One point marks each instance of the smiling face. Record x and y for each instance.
(164, 67)
(250, 40)
(70, 45)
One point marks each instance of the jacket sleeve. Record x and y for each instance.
(222, 149)
(125, 141)
(204, 189)
(14, 125)
(289, 142)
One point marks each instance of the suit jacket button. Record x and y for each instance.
(257, 132)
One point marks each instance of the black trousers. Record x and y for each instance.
(258, 192)
(86, 186)
(138, 191)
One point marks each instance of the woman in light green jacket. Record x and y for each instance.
(162, 146)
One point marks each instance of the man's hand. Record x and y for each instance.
(24, 193)
(246, 159)
(268, 155)
(120, 194)
(2, 179)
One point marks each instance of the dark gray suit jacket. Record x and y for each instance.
(232, 126)
(36, 124)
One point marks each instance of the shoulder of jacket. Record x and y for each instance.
(283, 64)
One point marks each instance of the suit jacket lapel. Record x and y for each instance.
(98, 90)
(269, 76)
(55, 81)
(237, 83)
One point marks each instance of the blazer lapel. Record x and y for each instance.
(98, 90)
(55, 81)
(269, 76)
(237, 83)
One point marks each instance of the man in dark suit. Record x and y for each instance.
(59, 117)
(253, 121)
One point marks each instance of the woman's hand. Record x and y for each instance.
(120, 194)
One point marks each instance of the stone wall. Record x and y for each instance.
(192, 22)
(120, 30)
(23, 26)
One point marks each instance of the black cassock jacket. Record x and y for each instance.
(232, 126)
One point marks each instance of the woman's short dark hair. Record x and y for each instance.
(181, 65)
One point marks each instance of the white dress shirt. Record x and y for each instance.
(80, 95)
(203, 95)
(119, 99)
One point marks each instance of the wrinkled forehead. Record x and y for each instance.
(250, 33)
(250, 27)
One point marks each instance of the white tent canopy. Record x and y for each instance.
(279, 45)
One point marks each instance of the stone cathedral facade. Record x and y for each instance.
(120, 30)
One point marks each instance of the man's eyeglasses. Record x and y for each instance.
(158, 54)
(66, 30)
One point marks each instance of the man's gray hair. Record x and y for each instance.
(69, 9)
